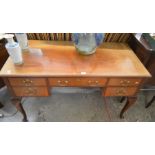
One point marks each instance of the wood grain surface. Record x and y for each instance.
(47, 58)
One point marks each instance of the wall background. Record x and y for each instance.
(109, 37)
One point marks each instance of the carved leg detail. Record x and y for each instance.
(122, 99)
(17, 103)
(1, 105)
(149, 103)
(129, 103)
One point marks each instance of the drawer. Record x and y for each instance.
(120, 91)
(31, 91)
(27, 81)
(81, 82)
(124, 81)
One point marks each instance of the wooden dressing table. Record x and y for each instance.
(114, 68)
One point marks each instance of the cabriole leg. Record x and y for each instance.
(1, 105)
(151, 101)
(16, 101)
(122, 99)
(129, 103)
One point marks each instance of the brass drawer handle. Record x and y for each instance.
(62, 83)
(31, 91)
(136, 83)
(27, 82)
(121, 91)
(93, 83)
(124, 82)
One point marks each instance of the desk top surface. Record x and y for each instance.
(47, 58)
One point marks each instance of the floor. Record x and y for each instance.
(77, 105)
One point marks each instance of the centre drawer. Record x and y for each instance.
(31, 91)
(27, 81)
(124, 81)
(81, 82)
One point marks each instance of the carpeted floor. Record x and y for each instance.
(76, 105)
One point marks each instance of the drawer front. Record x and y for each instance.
(124, 81)
(81, 82)
(31, 91)
(27, 81)
(120, 91)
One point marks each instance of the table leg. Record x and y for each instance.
(122, 99)
(149, 103)
(1, 105)
(16, 101)
(129, 103)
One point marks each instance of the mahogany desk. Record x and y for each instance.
(114, 68)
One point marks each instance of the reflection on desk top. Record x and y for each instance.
(47, 58)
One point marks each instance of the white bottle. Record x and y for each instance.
(22, 40)
(13, 49)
